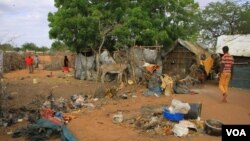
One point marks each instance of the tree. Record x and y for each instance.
(76, 23)
(158, 22)
(88, 23)
(58, 46)
(244, 22)
(33, 47)
(29, 46)
(85, 23)
(223, 18)
(17, 49)
(94, 24)
(43, 49)
(109, 15)
(6, 47)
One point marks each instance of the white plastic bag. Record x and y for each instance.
(179, 107)
(180, 130)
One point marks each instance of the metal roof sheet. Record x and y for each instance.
(239, 45)
(197, 49)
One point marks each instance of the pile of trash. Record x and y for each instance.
(166, 85)
(113, 92)
(31, 111)
(46, 117)
(153, 121)
(49, 124)
(12, 116)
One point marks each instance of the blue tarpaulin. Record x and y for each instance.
(43, 129)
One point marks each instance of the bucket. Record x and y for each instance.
(194, 112)
(172, 116)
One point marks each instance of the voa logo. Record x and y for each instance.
(236, 132)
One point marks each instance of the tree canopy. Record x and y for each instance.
(93, 23)
(224, 18)
(6, 47)
(24, 47)
(58, 46)
(33, 47)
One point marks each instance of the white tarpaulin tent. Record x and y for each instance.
(239, 45)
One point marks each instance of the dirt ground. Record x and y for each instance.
(96, 124)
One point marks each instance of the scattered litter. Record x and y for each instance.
(88, 105)
(78, 101)
(20, 120)
(67, 117)
(130, 82)
(167, 84)
(43, 129)
(180, 130)
(154, 85)
(134, 96)
(95, 99)
(168, 130)
(124, 96)
(9, 132)
(118, 118)
(35, 81)
(111, 92)
(188, 124)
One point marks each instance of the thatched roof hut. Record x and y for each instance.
(181, 56)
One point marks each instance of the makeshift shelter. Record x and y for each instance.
(138, 55)
(106, 57)
(239, 47)
(85, 65)
(182, 55)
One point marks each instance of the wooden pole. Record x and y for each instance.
(133, 65)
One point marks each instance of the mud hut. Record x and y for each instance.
(239, 47)
(182, 55)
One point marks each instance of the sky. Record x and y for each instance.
(25, 21)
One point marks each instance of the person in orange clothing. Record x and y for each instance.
(29, 63)
(226, 71)
(66, 64)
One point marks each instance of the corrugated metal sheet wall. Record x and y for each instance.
(241, 77)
